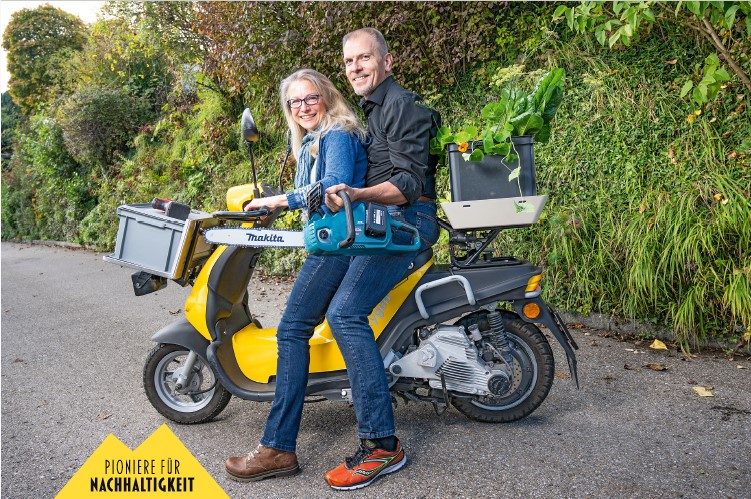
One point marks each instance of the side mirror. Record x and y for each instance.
(248, 127)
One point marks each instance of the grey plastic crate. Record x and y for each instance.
(150, 241)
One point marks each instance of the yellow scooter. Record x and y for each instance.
(441, 335)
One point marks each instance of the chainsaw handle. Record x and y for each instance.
(415, 244)
(242, 216)
(350, 221)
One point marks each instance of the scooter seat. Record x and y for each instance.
(420, 260)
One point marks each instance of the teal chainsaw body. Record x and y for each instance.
(359, 230)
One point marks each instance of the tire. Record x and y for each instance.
(534, 370)
(189, 407)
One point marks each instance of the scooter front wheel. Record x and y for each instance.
(187, 398)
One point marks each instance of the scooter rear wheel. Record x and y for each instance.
(534, 370)
(201, 400)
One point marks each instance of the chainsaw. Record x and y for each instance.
(358, 229)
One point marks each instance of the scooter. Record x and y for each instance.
(464, 334)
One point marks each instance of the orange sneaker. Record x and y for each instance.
(368, 463)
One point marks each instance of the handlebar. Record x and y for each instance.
(242, 216)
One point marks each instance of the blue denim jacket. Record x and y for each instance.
(341, 160)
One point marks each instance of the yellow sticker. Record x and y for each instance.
(160, 467)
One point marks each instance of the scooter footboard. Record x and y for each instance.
(223, 361)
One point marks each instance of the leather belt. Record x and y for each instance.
(425, 198)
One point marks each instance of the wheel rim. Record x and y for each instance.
(201, 379)
(524, 378)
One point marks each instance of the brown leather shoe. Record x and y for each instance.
(262, 462)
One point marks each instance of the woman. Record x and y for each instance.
(326, 140)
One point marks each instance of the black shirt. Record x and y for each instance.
(399, 151)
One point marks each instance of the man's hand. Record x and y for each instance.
(334, 202)
(384, 193)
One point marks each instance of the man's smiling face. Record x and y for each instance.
(364, 66)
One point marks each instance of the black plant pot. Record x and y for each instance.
(488, 179)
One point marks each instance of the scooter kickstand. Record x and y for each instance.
(446, 402)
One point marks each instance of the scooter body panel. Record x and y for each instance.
(195, 304)
(489, 286)
(256, 348)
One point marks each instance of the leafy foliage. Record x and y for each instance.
(98, 123)
(120, 56)
(46, 192)
(514, 114)
(255, 44)
(720, 22)
(40, 42)
(647, 218)
(10, 116)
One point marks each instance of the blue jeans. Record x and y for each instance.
(345, 290)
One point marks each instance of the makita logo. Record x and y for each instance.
(264, 238)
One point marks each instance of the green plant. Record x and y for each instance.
(40, 43)
(515, 113)
(99, 122)
(724, 24)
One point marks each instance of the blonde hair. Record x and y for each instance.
(338, 113)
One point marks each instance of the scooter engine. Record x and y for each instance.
(450, 353)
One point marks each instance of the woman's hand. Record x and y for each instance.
(272, 203)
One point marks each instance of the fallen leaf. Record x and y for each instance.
(658, 345)
(608, 378)
(175, 312)
(628, 367)
(732, 155)
(103, 415)
(562, 375)
(741, 367)
(717, 197)
(671, 61)
(704, 391)
(19, 360)
(656, 367)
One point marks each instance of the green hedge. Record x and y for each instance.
(648, 216)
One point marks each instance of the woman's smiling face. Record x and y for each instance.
(307, 115)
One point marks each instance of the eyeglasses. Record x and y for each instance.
(310, 100)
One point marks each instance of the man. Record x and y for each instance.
(399, 174)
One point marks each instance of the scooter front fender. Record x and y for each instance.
(183, 333)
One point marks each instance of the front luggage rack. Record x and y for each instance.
(470, 248)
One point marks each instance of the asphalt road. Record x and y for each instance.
(74, 339)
